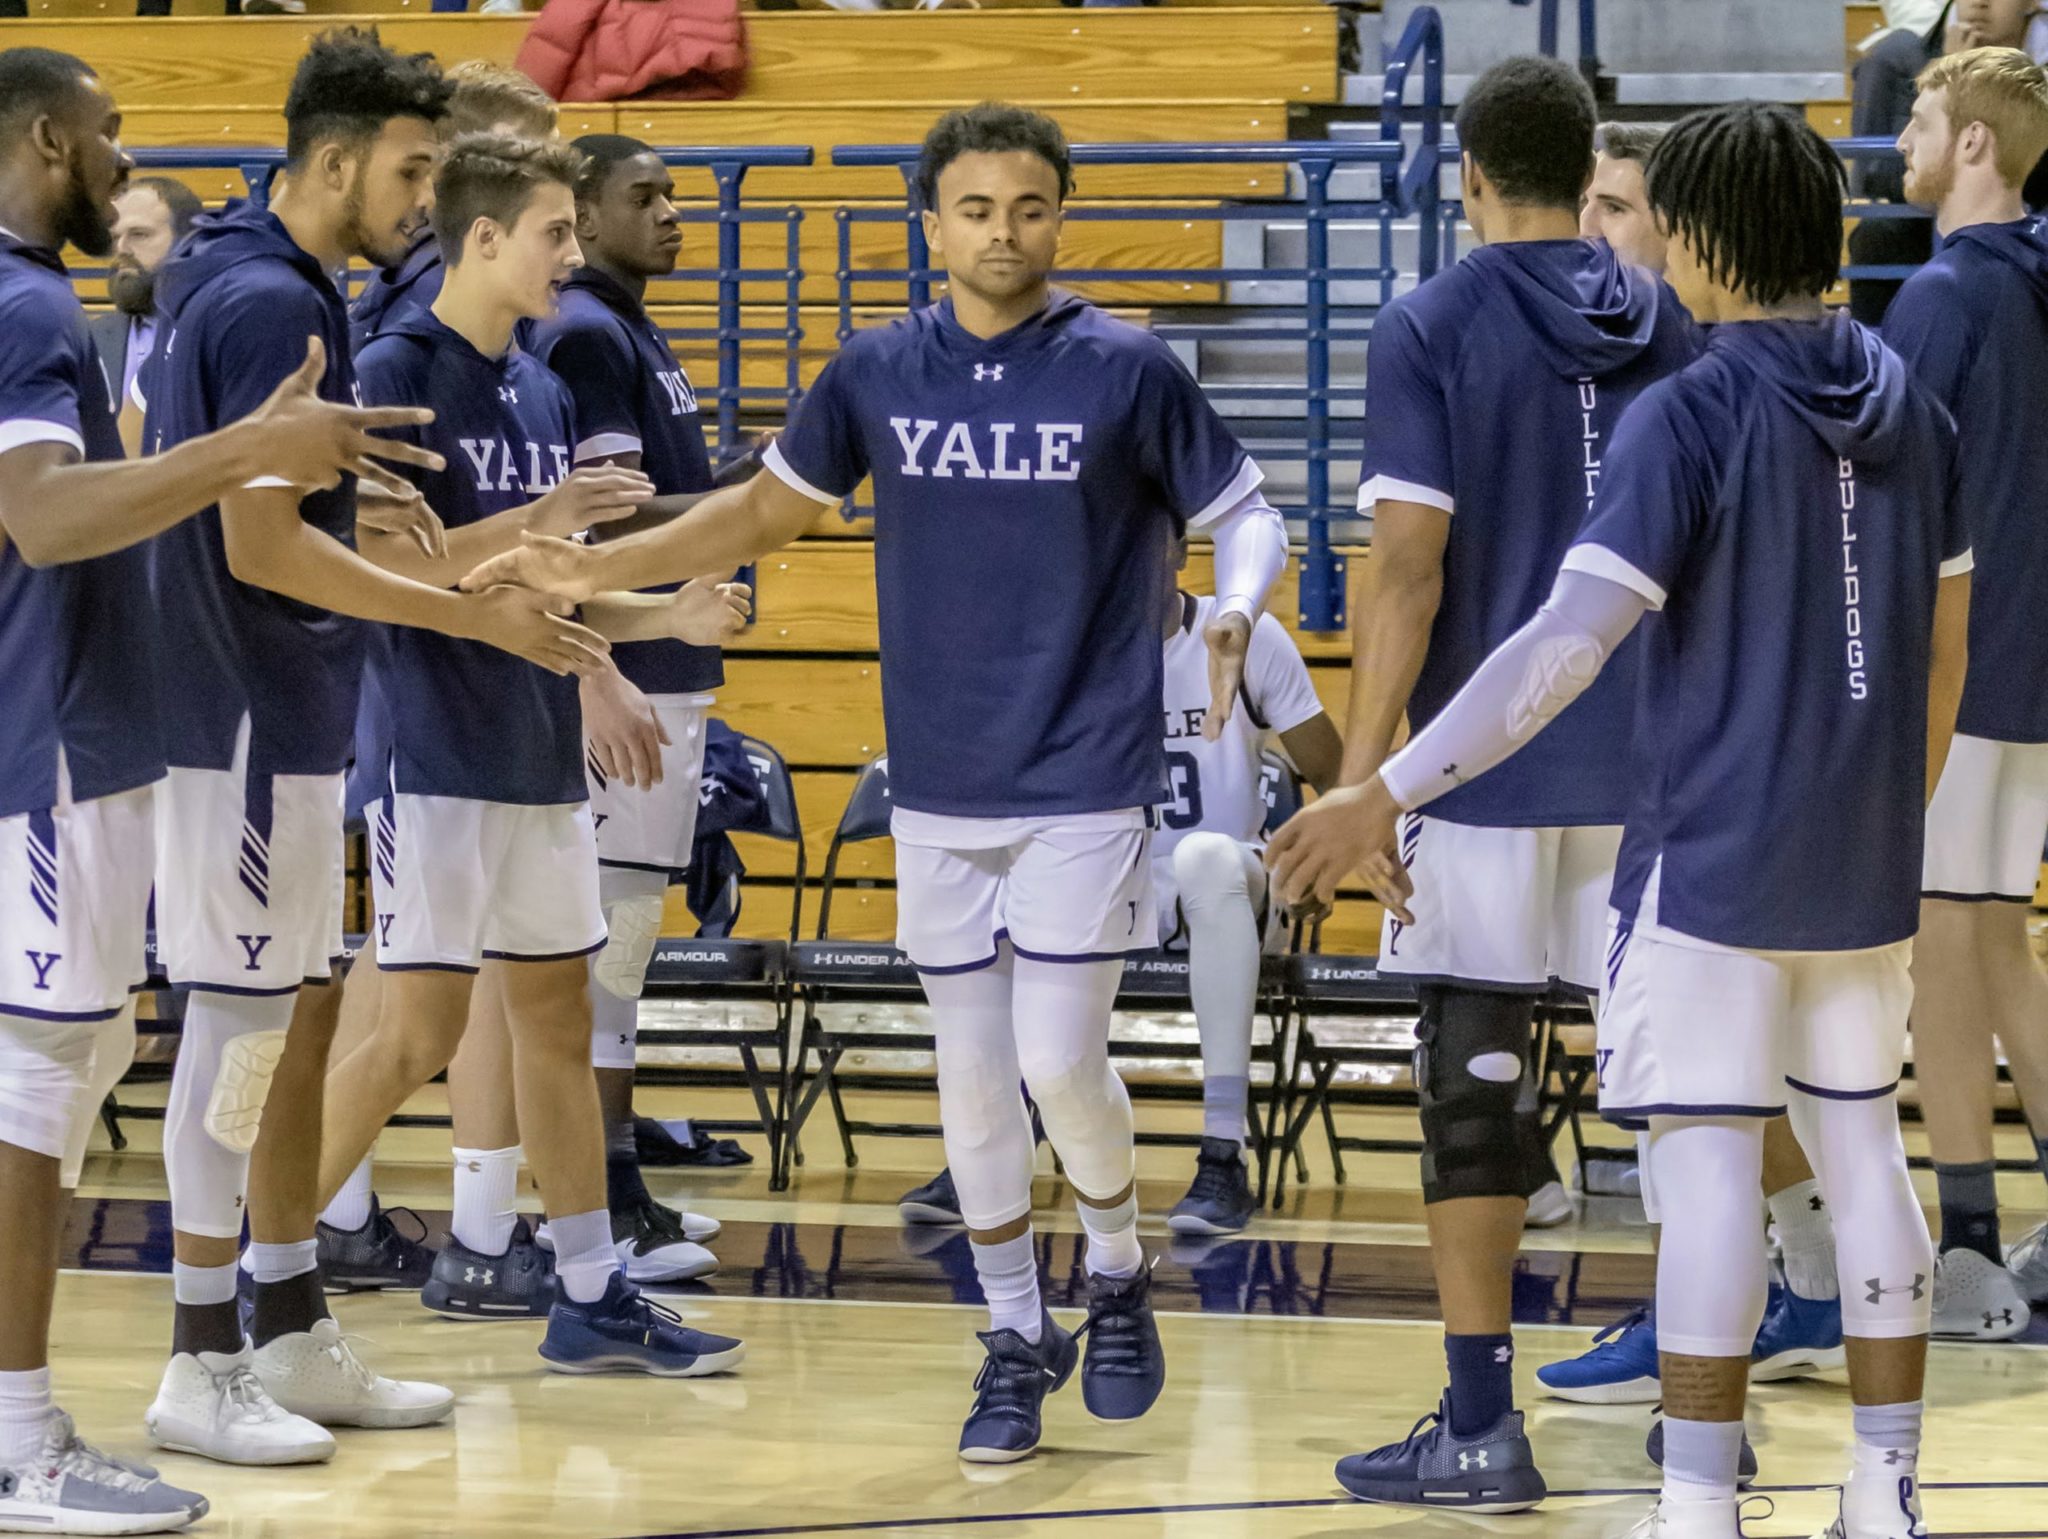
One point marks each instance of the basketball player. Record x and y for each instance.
(1802, 1330)
(1492, 393)
(1031, 459)
(1800, 685)
(1973, 326)
(84, 750)
(1206, 871)
(254, 602)
(483, 844)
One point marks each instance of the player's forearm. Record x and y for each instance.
(301, 562)
(1251, 552)
(78, 510)
(654, 513)
(723, 531)
(1948, 665)
(468, 547)
(631, 616)
(1390, 639)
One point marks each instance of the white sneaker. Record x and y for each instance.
(698, 1228)
(1887, 1508)
(2027, 1261)
(502, 7)
(212, 1404)
(1691, 1520)
(656, 1244)
(1976, 1299)
(1550, 1206)
(317, 1374)
(70, 1487)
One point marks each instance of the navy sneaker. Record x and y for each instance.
(378, 1255)
(1003, 1427)
(627, 1332)
(1799, 1337)
(1619, 1369)
(1125, 1368)
(933, 1203)
(1653, 1445)
(469, 1285)
(1433, 1467)
(1220, 1201)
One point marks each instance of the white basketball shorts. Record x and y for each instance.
(249, 878)
(1074, 888)
(1503, 908)
(1688, 1028)
(1987, 822)
(74, 906)
(458, 880)
(651, 828)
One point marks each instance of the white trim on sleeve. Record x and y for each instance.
(135, 390)
(602, 446)
(1388, 489)
(774, 462)
(23, 431)
(1598, 561)
(1955, 566)
(264, 483)
(1249, 478)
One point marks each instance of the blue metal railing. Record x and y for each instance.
(728, 166)
(1589, 25)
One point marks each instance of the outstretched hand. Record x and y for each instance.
(708, 613)
(1229, 640)
(309, 442)
(1350, 829)
(541, 561)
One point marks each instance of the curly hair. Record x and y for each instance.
(349, 85)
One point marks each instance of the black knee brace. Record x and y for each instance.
(1471, 1054)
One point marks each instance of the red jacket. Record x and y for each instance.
(609, 50)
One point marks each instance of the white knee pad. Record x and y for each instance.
(1062, 1012)
(1883, 1252)
(234, 1108)
(632, 926)
(113, 1050)
(1213, 867)
(1711, 1276)
(226, 1057)
(44, 1068)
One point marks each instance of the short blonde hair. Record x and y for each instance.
(489, 95)
(2007, 92)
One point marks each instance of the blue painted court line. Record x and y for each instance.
(962, 1520)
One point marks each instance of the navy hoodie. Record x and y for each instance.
(1973, 327)
(1789, 502)
(1491, 392)
(239, 298)
(395, 292)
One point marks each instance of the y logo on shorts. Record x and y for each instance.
(42, 962)
(384, 928)
(253, 945)
(1600, 1057)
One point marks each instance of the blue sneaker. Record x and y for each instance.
(933, 1203)
(1003, 1427)
(1653, 1445)
(1433, 1467)
(626, 1332)
(1125, 1368)
(1620, 1368)
(1221, 1200)
(1799, 1337)
(467, 1284)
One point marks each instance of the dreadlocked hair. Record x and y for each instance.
(1757, 195)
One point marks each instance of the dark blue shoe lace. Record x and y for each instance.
(1013, 1379)
(1117, 1314)
(1621, 1327)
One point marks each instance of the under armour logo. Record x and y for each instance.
(508, 395)
(1917, 1287)
(1816, 1203)
(253, 945)
(42, 962)
(1503, 1354)
(1472, 1461)
(7, 1484)
(469, 1275)
(1997, 1317)
(988, 371)
(1900, 1456)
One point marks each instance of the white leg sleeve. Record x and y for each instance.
(1221, 884)
(43, 1071)
(981, 1107)
(1062, 1012)
(113, 1050)
(226, 1056)
(1882, 1250)
(632, 902)
(1711, 1276)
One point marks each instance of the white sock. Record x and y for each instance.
(1009, 1280)
(1113, 1249)
(202, 1284)
(351, 1206)
(1702, 1460)
(1806, 1234)
(486, 1186)
(585, 1257)
(25, 1407)
(1887, 1436)
(281, 1263)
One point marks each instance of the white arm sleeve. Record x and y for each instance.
(1251, 552)
(1530, 677)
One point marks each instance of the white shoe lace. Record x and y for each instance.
(245, 1398)
(353, 1367)
(75, 1456)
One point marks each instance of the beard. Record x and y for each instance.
(1929, 186)
(380, 249)
(82, 219)
(132, 290)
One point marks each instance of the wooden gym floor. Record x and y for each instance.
(1311, 1338)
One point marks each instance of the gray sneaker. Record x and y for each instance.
(2028, 1263)
(1432, 1467)
(72, 1488)
(1975, 1299)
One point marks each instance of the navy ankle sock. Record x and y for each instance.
(1969, 1209)
(1482, 1381)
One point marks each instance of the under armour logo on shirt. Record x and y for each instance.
(1472, 1461)
(508, 395)
(988, 371)
(1917, 1287)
